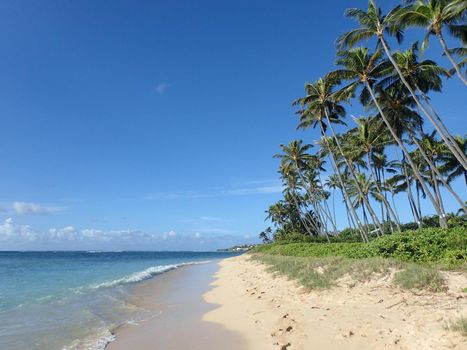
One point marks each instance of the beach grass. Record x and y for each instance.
(415, 276)
(325, 272)
(458, 325)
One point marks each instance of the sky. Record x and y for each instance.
(152, 124)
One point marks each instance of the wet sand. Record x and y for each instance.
(178, 295)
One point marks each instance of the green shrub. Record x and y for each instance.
(430, 245)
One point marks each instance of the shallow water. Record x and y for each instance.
(72, 300)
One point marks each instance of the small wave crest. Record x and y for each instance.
(142, 275)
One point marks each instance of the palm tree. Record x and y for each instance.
(434, 15)
(291, 190)
(374, 24)
(265, 235)
(319, 107)
(451, 165)
(363, 69)
(322, 102)
(423, 76)
(433, 149)
(293, 161)
(367, 188)
(396, 104)
(367, 136)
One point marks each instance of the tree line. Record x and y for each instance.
(388, 151)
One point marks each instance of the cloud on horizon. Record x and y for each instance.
(14, 236)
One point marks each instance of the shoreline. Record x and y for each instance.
(177, 297)
(238, 303)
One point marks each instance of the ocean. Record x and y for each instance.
(73, 300)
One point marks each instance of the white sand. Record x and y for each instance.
(274, 313)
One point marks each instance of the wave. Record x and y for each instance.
(142, 275)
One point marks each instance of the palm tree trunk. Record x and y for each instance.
(406, 152)
(329, 215)
(413, 206)
(442, 126)
(438, 194)
(395, 207)
(299, 210)
(417, 101)
(309, 193)
(365, 200)
(365, 218)
(350, 219)
(420, 214)
(448, 55)
(383, 200)
(334, 205)
(344, 189)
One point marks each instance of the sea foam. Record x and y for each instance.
(143, 275)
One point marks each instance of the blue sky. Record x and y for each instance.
(152, 124)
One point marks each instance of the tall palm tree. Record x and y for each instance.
(289, 176)
(383, 166)
(367, 188)
(367, 136)
(294, 160)
(364, 69)
(451, 165)
(322, 110)
(433, 149)
(434, 16)
(374, 24)
(423, 76)
(397, 105)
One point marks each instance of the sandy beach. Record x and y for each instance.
(275, 313)
(176, 297)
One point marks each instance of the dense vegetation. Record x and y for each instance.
(401, 144)
(447, 247)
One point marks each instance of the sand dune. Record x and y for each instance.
(271, 312)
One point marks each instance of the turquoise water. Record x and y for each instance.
(72, 300)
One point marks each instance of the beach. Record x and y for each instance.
(238, 303)
(177, 297)
(271, 312)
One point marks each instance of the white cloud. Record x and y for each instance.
(25, 208)
(255, 190)
(161, 88)
(18, 237)
(245, 189)
(9, 230)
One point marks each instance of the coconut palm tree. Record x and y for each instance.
(364, 69)
(374, 24)
(366, 138)
(322, 102)
(451, 165)
(292, 190)
(320, 109)
(367, 188)
(423, 76)
(397, 106)
(434, 16)
(294, 160)
(432, 149)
